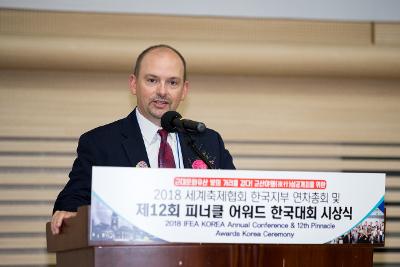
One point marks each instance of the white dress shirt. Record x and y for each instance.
(152, 141)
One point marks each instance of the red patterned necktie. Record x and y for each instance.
(165, 155)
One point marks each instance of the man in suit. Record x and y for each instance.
(159, 83)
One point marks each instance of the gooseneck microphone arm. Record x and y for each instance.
(172, 121)
(195, 149)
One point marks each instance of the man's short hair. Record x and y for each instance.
(147, 50)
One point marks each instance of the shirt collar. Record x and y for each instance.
(148, 129)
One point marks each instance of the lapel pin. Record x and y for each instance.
(142, 164)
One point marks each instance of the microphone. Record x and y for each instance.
(172, 121)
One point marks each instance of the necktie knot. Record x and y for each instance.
(163, 134)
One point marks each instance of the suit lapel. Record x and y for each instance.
(186, 152)
(188, 155)
(133, 142)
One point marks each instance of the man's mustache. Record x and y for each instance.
(161, 99)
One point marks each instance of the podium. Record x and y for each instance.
(73, 248)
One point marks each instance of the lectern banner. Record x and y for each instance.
(144, 206)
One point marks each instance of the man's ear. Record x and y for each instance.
(185, 90)
(132, 83)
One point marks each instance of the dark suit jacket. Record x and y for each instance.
(121, 144)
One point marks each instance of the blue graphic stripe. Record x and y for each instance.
(372, 210)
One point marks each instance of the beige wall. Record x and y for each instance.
(285, 95)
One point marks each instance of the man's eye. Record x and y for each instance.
(151, 80)
(173, 83)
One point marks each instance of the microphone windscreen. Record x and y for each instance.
(167, 120)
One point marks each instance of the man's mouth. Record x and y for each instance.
(159, 103)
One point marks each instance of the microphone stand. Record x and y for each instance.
(192, 144)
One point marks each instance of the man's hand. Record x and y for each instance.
(58, 218)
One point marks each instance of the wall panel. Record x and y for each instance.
(182, 27)
(106, 42)
(259, 108)
(387, 34)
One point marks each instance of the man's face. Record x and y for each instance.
(159, 86)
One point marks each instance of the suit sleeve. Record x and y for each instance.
(77, 191)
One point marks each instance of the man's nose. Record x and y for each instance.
(162, 89)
